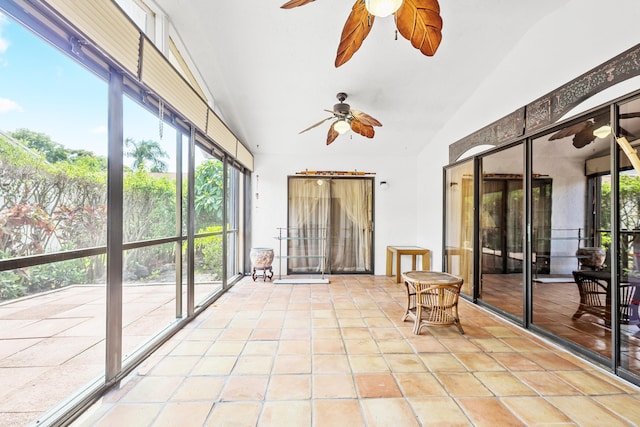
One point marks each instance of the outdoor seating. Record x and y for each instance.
(432, 299)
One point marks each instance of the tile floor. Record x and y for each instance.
(338, 355)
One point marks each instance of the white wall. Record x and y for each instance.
(395, 216)
(562, 46)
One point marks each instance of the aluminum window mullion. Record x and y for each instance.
(114, 228)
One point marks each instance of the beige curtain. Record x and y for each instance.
(340, 210)
(351, 225)
(309, 201)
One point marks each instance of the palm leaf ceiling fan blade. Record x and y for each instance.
(295, 3)
(365, 118)
(363, 129)
(316, 124)
(355, 30)
(332, 134)
(419, 22)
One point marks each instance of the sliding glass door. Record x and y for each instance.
(334, 215)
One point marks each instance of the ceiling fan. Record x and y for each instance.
(345, 119)
(418, 21)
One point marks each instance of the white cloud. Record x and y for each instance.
(7, 105)
(99, 130)
(4, 43)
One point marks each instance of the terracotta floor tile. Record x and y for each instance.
(351, 322)
(438, 411)
(546, 383)
(327, 334)
(265, 334)
(152, 389)
(237, 414)
(588, 384)
(244, 387)
(191, 348)
(425, 344)
(388, 412)
(130, 414)
(535, 411)
(442, 362)
(260, 348)
(324, 323)
(330, 346)
(175, 365)
(368, 363)
(330, 363)
(214, 365)
(289, 387)
(620, 405)
(419, 384)
(295, 334)
(460, 345)
(479, 362)
(294, 347)
(356, 334)
(488, 411)
(337, 413)
(405, 363)
(333, 386)
(516, 362)
(233, 334)
(253, 365)
(293, 413)
(586, 412)
(504, 384)
(292, 364)
(377, 385)
(395, 346)
(492, 345)
(199, 388)
(225, 348)
(183, 413)
(367, 346)
(462, 384)
(386, 334)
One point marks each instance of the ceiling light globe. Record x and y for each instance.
(341, 126)
(602, 131)
(382, 8)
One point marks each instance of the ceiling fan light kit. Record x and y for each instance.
(418, 21)
(345, 119)
(342, 126)
(382, 8)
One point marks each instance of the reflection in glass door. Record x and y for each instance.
(501, 225)
(629, 241)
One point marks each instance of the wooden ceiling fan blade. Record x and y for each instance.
(355, 30)
(365, 118)
(419, 21)
(295, 3)
(363, 129)
(315, 125)
(332, 134)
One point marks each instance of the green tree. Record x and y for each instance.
(147, 155)
(209, 195)
(42, 143)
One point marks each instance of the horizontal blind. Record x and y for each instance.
(104, 24)
(219, 132)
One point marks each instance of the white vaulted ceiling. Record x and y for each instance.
(271, 71)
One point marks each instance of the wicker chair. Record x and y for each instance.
(595, 298)
(437, 305)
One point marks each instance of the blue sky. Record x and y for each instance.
(43, 90)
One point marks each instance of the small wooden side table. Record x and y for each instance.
(414, 251)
